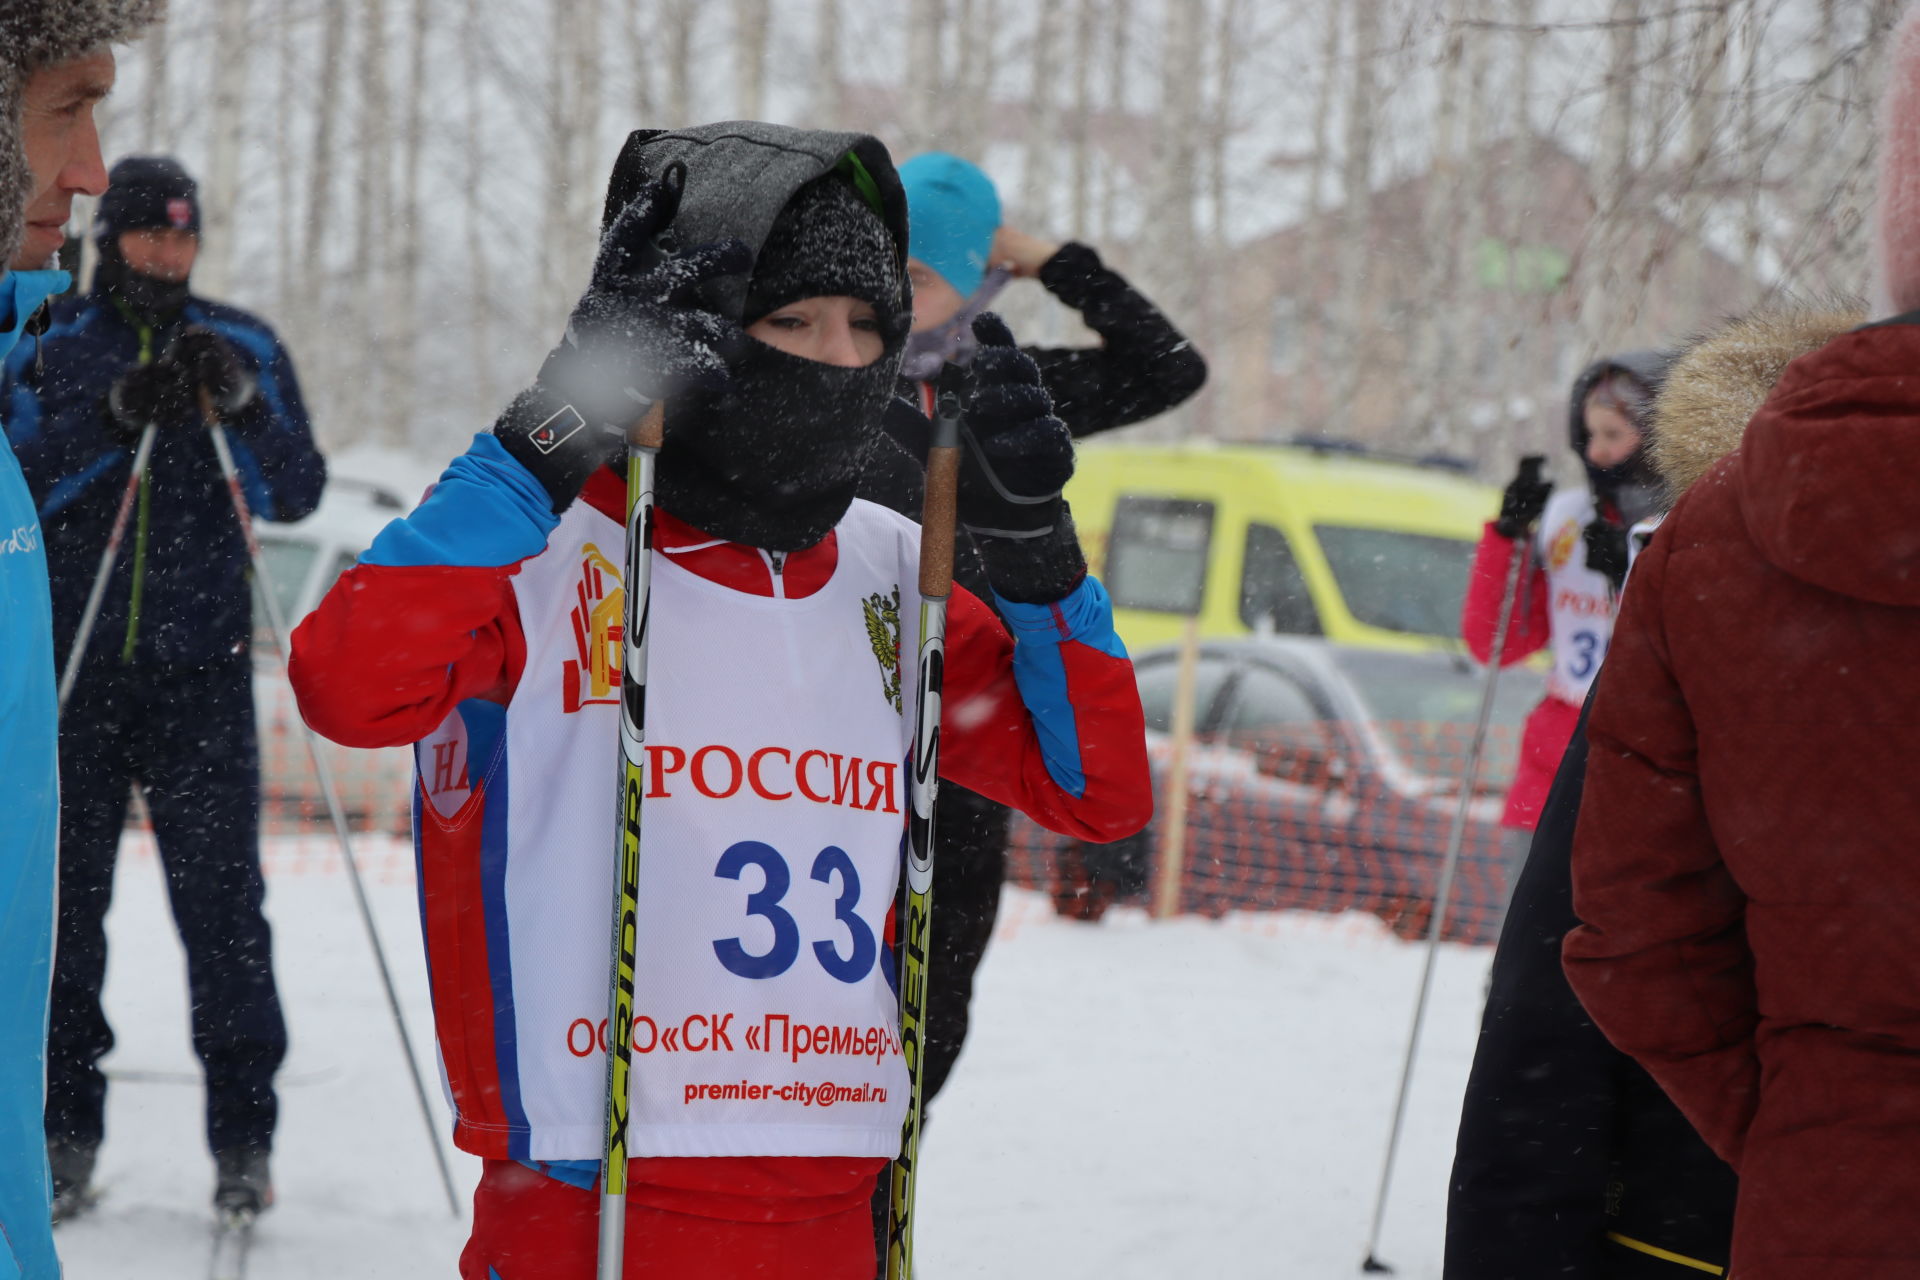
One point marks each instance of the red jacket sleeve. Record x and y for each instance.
(1480, 611)
(1052, 725)
(391, 651)
(1661, 962)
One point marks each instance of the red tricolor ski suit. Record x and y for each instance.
(428, 630)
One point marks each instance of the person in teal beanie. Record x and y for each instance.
(56, 64)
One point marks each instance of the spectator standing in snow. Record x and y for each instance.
(56, 64)
(165, 693)
(1744, 863)
(782, 608)
(961, 256)
(1571, 1162)
(1575, 541)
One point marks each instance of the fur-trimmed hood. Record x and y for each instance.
(1721, 379)
(44, 33)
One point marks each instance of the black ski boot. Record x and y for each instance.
(242, 1184)
(71, 1163)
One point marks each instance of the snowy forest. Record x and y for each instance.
(1405, 222)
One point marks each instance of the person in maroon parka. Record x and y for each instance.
(1747, 862)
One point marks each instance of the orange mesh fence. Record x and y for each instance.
(1318, 817)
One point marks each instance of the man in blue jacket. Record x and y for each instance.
(164, 696)
(55, 65)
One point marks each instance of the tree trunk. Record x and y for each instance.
(751, 18)
(154, 122)
(1080, 132)
(829, 88)
(1356, 219)
(372, 223)
(479, 269)
(1120, 18)
(232, 49)
(403, 308)
(1036, 198)
(1313, 316)
(677, 18)
(924, 81)
(1605, 278)
(327, 106)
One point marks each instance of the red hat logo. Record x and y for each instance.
(180, 212)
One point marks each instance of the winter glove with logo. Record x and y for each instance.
(1525, 499)
(637, 335)
(144, 395)
(211, 364)
(1607, 550)
(1015, 458)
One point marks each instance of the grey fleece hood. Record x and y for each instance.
(741, 174)
(35, 34)
(775, 459)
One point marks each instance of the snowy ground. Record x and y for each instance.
(1136, 1100)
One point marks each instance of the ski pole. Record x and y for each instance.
(108, 557)
(936, 585)
(278, 622)
(643, 449)
(1521, 562)
(644, 438)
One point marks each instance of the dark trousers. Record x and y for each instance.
(186, 736)
(969, 867)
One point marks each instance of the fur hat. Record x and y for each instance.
(1896, 219)
(35, 34)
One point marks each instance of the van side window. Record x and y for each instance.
(1157, 554)
(1273, 591)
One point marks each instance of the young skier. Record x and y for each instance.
(485, 628)
(1577, 541)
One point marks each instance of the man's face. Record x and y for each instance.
(164, 254)
(63, 149)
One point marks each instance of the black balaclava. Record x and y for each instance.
(1632, 489)
(773, 461)
(144, 193)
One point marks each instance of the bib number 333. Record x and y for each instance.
(831, 863)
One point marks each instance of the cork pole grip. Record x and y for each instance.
(937, 523)
(651, 431)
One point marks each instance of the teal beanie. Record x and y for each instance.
(952, 213)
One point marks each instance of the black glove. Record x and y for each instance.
(1016, 457)
(144, 395)
(1607, 550)
(210, 363)
(1525, 498)
(637, 335)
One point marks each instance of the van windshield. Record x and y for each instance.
(1409, 582)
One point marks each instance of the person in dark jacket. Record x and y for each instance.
(164, 695)
(1571, 1162)
(960, 257)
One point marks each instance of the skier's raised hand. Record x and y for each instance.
(1016, 457)
(639, 334)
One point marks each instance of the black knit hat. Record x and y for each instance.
(147, 193)
(827, 242)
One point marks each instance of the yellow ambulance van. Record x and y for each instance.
(1317, 539)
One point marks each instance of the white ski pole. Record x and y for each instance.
(937, 522)
(108, 558)
(278, 622)
(1522, 562)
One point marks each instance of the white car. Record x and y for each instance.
(303, 559)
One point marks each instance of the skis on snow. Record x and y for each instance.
(232, 1242)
